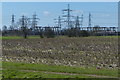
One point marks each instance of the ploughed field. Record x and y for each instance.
(98, 52)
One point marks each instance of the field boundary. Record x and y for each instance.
(66, 73)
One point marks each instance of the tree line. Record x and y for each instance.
(46, 32)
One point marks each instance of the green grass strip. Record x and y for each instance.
(54, 68)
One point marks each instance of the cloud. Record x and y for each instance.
(77, 12)
(24, 13)
(46, 13)
(102, 15)
(105, 15)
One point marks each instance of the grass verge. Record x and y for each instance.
(17, 70)
(35, 37)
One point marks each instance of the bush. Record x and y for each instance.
(75, 32)
(49, 33)
(84, 33)
(72, 32)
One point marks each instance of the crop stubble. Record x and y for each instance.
(96, 52)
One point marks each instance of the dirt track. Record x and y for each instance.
(90, 75)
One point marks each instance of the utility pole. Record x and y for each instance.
(89, 23)
(12, 22)
(81, 22)
(59, 24)
(24, 22)
(78, 24)
(34, 22)
(68, 16)
(58, 21)
(78, 21)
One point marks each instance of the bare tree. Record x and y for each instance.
(24, 25)
(4, 32)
